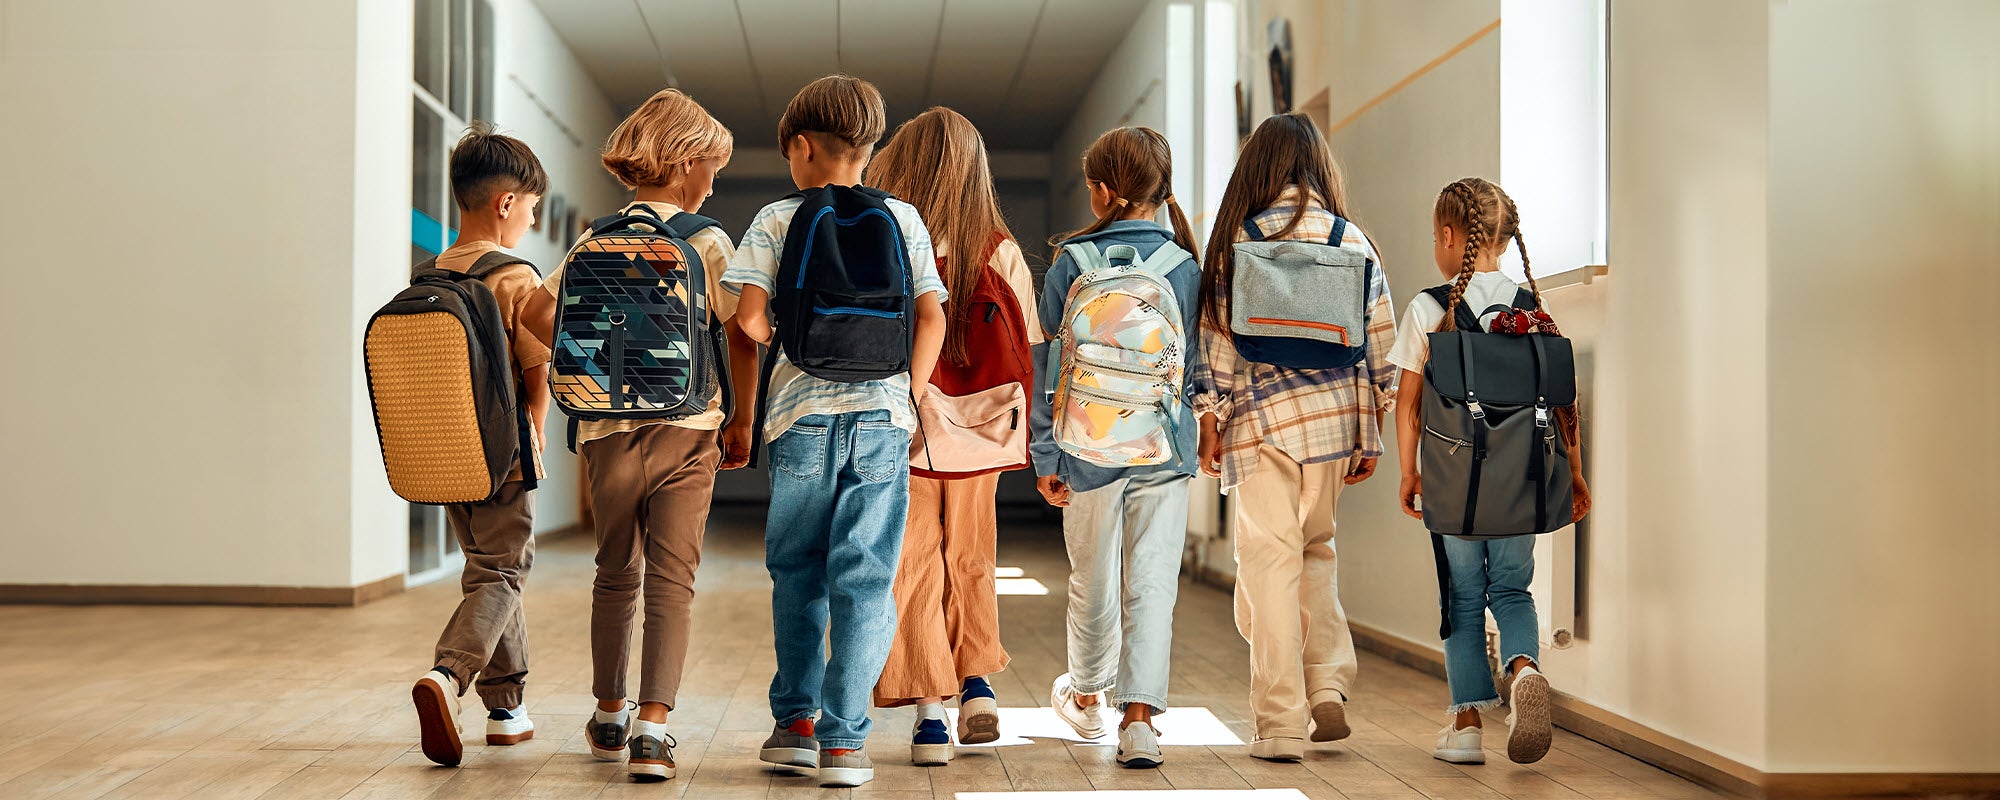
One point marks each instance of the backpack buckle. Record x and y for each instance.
(1478, 411)
(1541, 416)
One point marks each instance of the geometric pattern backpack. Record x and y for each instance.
(441, 383)
(635, 337)
(1120, 360)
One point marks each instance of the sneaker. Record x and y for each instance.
(1278, 749)
(1459, 746)
(978, 713)
(1528, 734)
(436, 697)
(1085, 720)
(792, 746)
(930, 743)
(1330, 721)
(506, 726)
(1139, 746)
(607, 732)
(845, 768)
(652, 754)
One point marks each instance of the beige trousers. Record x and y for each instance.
(650, 490)
(947, 617)
(1287, 600)
(487, 636)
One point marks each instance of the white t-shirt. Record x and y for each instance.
(1413, 348)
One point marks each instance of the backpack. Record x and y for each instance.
(1487, 412)
(441, 383)
(635, 337)
(1120, 357)
(1302, 305)
(996, 339)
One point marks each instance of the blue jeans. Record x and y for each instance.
(840, 489)
(1125, 541)
(1491, 574)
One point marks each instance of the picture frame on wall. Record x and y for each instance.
(556, 208)
(1280, 59)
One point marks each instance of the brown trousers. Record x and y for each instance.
(947, 618)
(650, 491)
(488, 634)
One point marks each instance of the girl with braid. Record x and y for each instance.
(1471, 225)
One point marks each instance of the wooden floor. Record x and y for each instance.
(223, 702)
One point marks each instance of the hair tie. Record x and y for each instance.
(1120, 202)
(1169, 200)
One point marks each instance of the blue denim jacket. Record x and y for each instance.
(1145, 236)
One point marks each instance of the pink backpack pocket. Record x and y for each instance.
(985, 431)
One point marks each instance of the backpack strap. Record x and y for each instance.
(494, 261)
(1164, 260)
(686, 224)
(1251, 230)
(1088, 258)
(1467, 321)
(1524, 299)
(1339, 232)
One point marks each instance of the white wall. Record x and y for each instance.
(1130, 90)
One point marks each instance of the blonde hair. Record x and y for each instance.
(937, 162)
(666, 131)
(1486, 215)
(1137, 166)
(844, 112)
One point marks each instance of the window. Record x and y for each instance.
(1552, 129)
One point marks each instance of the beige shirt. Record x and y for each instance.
(714, 248)
(512, 286)
(1013, 268)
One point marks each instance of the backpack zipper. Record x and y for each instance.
(1300, 323)
(861, 312)
(1455, 444)
(1112, 400)
(1110, 366)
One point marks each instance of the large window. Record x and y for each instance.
(1552, 129)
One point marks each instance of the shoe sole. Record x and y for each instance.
(1528, 738)
(1330, 723)
(931, 755)
(440, 731)
(1140, 760)
(1298, 754)
(979, 728)
(846, 777)
(504, 739)
(607, 755)
(1460, 756)
(798, 757)
(649, 771)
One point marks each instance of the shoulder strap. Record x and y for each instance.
(1467, 321)
(686, 224)
(1250, 229)
(1087, 257)
(1165, 259)
(873, 192)
(495, 260)
(1339, 232)
(1524, 299)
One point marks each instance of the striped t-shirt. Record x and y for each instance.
(794, 394)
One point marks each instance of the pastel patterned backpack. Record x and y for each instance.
(1120, 357)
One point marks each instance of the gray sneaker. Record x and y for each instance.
(607, 738)
(851, 768)
(791, 746)
(651, 759)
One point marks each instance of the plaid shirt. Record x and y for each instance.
(1312, 415)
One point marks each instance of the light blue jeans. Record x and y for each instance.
(1125, 541)
(840, 489)
(1491, 574)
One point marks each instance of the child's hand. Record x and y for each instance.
(736, 445)
(1582, 502)
(1053, 490)
(1413, 488)
(1363, 470)
(1210, 451)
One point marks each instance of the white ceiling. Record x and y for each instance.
(1017, 68)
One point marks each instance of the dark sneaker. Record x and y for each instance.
(791, 746)
(608, 732)
(930, 744)
(845, 768)
(436, 698)
(505, 726)
(1330, 722)
(651, 758)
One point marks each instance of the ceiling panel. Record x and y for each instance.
(889, 42)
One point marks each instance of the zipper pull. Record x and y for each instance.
(1014, 419)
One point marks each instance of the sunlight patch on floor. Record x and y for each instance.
(1143, 794)
(1190, 726)
(1019, 587)
(1008, 572)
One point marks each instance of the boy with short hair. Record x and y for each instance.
(839, 455)
(496, 181)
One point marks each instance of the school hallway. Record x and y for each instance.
(216, 702)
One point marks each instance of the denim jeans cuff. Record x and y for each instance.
(1476, 705)
(1507, 664)
(788, 720)
(1083, 688)
(841, 744)
(1122, 699)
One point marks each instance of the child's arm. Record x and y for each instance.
(1215, 387)
(535, 382)
(744, 369)
(1042, 449)
(753, 315)
(1582, 490)
(929, 340)
(538, 313)
(1409, 431)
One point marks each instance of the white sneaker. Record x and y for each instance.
(436, 698)
(1528, 733)
(1139, 746)
(506, 726)
(1461, 746)
(1278, 749)
(930, 741)
(1085, 720)
(978, 720)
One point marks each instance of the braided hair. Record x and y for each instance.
(1489, 219)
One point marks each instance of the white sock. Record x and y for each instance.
(930, 711)
(603, 716)
(657, 730)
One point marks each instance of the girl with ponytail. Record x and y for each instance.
(1471, 225)
(1125, 527)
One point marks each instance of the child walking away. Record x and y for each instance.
(1488, 387)
(1296, 324)
(973, 416)
(1115, 446)
(644, 373)
(840, 280)
(496, 181)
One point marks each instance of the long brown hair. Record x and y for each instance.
(1137, 165)
(937, 162)
(1487, 216)
(1286, 150)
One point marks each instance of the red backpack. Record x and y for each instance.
(996, 336)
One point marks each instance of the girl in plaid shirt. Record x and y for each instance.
(1285, 441)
